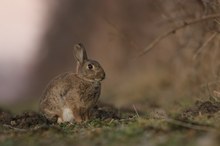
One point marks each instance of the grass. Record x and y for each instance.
(185, 127)
(134, 133)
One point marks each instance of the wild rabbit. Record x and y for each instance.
(71, 96)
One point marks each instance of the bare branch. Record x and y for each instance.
(172, 31)
(24, 130)
(121, 34)
(136, 111)
(191, 126)
(199, 50)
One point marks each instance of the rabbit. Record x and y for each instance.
(70, 97)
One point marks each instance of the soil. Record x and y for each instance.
(110, 127)
(31, 119)
(26, 120)
(200, 108)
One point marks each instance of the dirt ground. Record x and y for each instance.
(195, 125)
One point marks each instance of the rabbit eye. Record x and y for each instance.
(90, 66)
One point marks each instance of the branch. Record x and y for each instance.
(121, 34)
(199, 50)
(191, 126)
(14, 128)
(172, 31)
(24, 130)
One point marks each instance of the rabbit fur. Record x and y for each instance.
(70, 96)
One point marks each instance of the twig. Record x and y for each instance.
(123, 35)
(199, 50)
(191, 126)
(14, 128)
(111, 121)
(208, 90)
(172, 31)
(23, 130)
(217, 21)
(136, 111)
(210, 83)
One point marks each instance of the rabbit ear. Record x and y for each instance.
(80, 53)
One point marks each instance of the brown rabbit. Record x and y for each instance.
(71, 96)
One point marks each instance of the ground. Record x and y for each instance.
(197, 125)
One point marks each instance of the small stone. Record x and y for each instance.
(13, 123)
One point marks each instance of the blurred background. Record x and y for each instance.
(37, 38)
